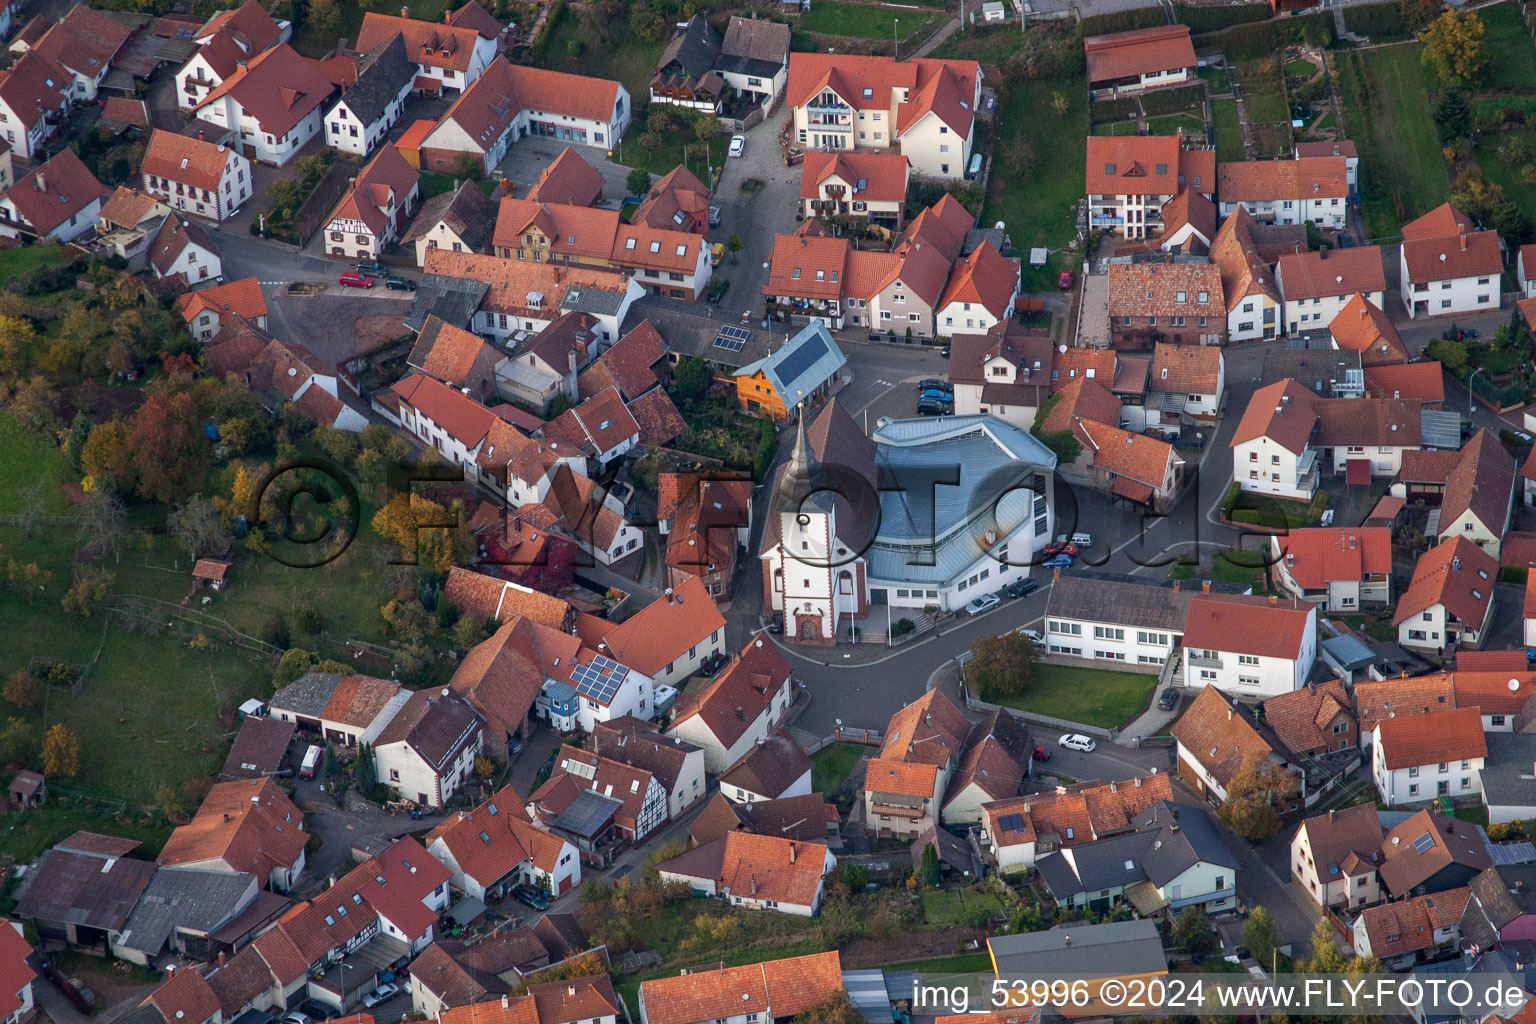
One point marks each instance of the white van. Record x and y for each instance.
(311, 766)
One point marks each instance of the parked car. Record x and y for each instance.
(316, 1009)
(530, 896)
(934, 384)
(776, 626)
(1168, 699)
(1061, 547)
(1082, 540)
(373, 267)
(295, 1017)
(714, 216)
(936, 394)
(944, 350)
(1042, 753)
(1059, 562)
(930, 408)
(356, 281)
(986, 602)
(717, 291)
(738, 145)
(1064, 282)
(1033, 636)
(384, 992)
(399, 284)
(714, 663)
(514, 744)
(1022, 588)
(1077, 741)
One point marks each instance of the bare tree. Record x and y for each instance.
(103, 524)
(197, 527)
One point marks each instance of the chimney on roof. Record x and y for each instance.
(792, 851)
(1113, 788)
(42, 182)
(405, 12)
(226, 817)
(1273, 599)
(221, 959)
(1175, 586)
(503, 998)
(1205, 587)
(1229, 714)
(1330, 816)
(1463, 243)
(447, 19)
(1138, 782)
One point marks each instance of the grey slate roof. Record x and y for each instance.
(381, 77)
(307, 695)
(693, 49)
(1108, 863)
(468, 212)
(449, 298)
(1169, 840)
(1500, 894)
(196, 901)
(1506, 776)
(1349, 651)
(1135, 601)
(83, 889)
(588, 813)
(1317, 370)
(1086, 951)
(754, 46)
(801, 365)
(596, 301)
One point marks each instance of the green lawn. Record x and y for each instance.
(1091, 696)
(434, 184)
(1477, 814)
(1118, 128)
(942, 909)
(1112, 110)
(988, 45)
(1323, 122)
(1229, 132)
(1045, 213)
(1171, 101)
(311, 44)
(629, 60)
(1190, 123)
(834, 18)
(1217, 79)
(29, 833)
(965, 963)
(1300, 68)
(1263, 99)
(1510, 42)
(19, 261)
(831, 764)
(1387, 114)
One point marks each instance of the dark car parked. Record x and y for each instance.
(1168, 699)
(538, 899)
(1022, 588)
(714, 663)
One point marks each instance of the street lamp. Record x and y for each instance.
(895, 43)
(1471, 397)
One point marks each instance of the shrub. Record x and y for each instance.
(541, 41)
(1380, 23)
(1257, 517)
(901, 627)
(1214, 19)
(1512, 574)
(1122, 21)
(1262, 39)
(1506, 831)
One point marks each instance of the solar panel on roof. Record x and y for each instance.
(1424, 842)
(728, 343)
(739, 333)
(801, 359)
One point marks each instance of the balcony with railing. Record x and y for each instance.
(1204, 659)
(826, 105)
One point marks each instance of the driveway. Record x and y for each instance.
(757, 218)
(527, 158)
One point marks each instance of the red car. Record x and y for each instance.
(1056, 547)
(1064, 282)
(356, 281)
(1042, 753)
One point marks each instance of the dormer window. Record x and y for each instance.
(655, 247)
(682, 250)
(629, 243)
(869, 93)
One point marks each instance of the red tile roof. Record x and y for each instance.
(54, 192)
(943, 87)
(1482, 483)
(85, 40)
(250, 825)
(15, 973)
(277, 87)
(465, 419)
(1195, 369)
(1248, 625)
(738, 696)
(776, 988)
(33, 86)
(1189, 290)
(1447, 257)
(1458, 575)
(122, 110)
(1076, 814)
(1493, 692)
(1147, 165)
(987, 277)
(1422, 381)
(242, 297)
(568, 179)
(884, 175)
(1452, 841)
(1244, 271)
(1329, 273)
(387, 182)
(1219, 735)
(1428, 739)
(496, 838)
(804, 267)
(1378, 700)
(575, 231)
(185, 996)
(759, 867)
(1303, 719)
(1124, 455)
(1343, 147)
(1318, 556)
(1364, 327)
(1336, 835)
(930, 730)
(1443, 220)
(427, 43)
(657, 249)
(1409, 926)
(1312, 177)
(1285, 412)
(1138, 52)
(901, 777)
(192, 161)
(662, 631)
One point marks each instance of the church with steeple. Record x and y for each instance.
(929, 512)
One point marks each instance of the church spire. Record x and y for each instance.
(803, 475)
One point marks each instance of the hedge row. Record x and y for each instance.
(540, 42)
(1381, 23)
(1256, 517)
(1121, 21)
(1262, 39)
(1214, 19)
